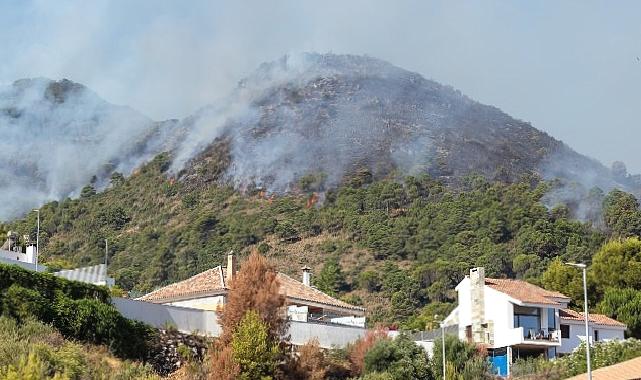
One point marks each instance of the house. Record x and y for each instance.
(515, 319)
(11, 251)
(208, 291)
(572, 326)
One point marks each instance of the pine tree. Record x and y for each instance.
(331, 279)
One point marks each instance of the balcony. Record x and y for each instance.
(535, 337)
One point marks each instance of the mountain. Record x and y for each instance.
(342, 114)
(58, 135)
(347, 164)
(316, 118)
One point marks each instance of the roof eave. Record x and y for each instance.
(354, 310)
(187, 296)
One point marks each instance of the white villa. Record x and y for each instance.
(514, 319)
(208, 291)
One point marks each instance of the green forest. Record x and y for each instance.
(396, 245)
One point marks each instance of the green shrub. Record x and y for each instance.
(22, 303)
(401, 358)
(78, 310)
(95, 322)
(33, 350)
(49, 285)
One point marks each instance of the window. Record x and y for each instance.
(529, 318)
(565, 331)
(551, 320)
(468, 333)
(596, 335)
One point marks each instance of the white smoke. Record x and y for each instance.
(57, 135)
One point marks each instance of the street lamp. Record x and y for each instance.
(442, 324)
(37, 237)
(583, 267)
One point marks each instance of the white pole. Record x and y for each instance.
(443, 344)
(587, 329)
(37, 237)
(586, 315)
(106, 258)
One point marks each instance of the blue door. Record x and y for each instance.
(498, 361)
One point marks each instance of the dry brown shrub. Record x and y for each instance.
(255, 287)
(223, 366)
(357, 351)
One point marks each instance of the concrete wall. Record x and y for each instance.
(29, 266)
(205, 322)
(328, 335)
(19, 256)
(577, 335)
(184, 319)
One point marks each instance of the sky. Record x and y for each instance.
(571, 68)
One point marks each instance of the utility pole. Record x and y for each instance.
(586, 316)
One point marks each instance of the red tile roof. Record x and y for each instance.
(297, 290)
(599, 319)
(207, 282)
(628, 370)
(212, 282)
(525, 292)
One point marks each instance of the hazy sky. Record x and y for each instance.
(572, 68)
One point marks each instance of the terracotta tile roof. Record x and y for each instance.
(627, 370)
(295, 289)
(525, 292)
(598, 319)
(209, 281)
(212, 281)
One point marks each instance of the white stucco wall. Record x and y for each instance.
(464, 308)
(204, 303)
(577, 335)
(28, 257)
(500, 311)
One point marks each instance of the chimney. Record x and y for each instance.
(477, 290)
(231, 267)
(307, 276)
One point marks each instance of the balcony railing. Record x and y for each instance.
(541, 335)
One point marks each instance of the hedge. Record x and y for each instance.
(49, 285)
(79, 311)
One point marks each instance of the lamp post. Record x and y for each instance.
(37, 236)
(106, 260)
(583, 267)
(442, 325)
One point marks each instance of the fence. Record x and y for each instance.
(205, 322)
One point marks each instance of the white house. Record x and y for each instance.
(11, 250)
(208, 291)
(572, 328)
(515, 319)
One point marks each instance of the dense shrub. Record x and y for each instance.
(401, 358)
(22, 304)
(49, 285)
(95, 322)
(78, 310)
(32, 350)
